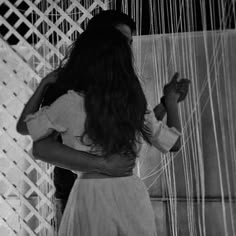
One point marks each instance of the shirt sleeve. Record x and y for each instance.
(49, 119)
(162, 136)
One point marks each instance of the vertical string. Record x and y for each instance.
(214, 123)
(219, 89)
(184, 53)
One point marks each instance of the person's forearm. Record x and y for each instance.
(58, 154)
(31, 107)
(173, 121)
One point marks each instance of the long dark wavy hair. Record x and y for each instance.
(100, 67)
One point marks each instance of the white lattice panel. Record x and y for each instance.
(34, 37)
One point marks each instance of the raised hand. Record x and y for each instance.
(176, 89)
(170, 89)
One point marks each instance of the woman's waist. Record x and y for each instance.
(97, 175)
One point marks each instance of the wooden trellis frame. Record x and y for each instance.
(39, 30)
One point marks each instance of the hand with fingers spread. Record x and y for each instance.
(176, 89)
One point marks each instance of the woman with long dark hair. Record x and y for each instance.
(45, 94)
(105, 112)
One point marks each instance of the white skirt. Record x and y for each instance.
(108, 207)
